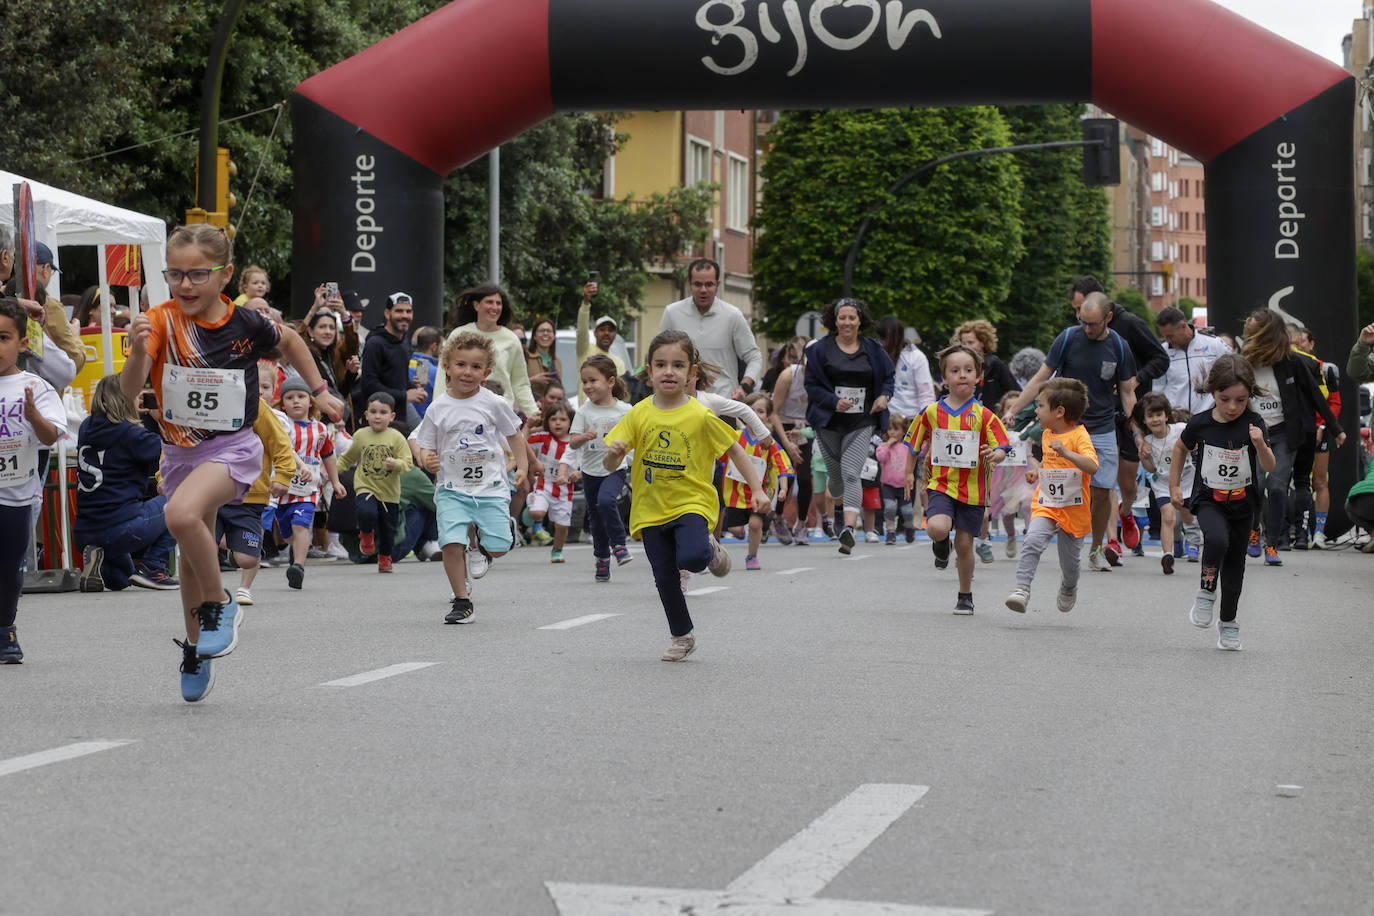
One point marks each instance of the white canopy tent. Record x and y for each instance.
(63, 218)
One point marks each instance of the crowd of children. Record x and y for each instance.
(250, 449)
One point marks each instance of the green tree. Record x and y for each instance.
(938, 252)
(1188, 305)
(1065, 226)
(1364, 286)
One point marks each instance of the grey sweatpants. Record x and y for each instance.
(1036, 539)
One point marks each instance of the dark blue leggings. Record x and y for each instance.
(379, 518)
(683, 543)
(17, 523)
(603, 512)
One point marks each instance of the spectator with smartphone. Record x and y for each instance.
(603, 331)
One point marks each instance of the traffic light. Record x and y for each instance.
(224, 198)
(1101, 159)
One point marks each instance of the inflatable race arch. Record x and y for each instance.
(1271, 122)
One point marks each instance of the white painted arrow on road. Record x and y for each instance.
(786, 881)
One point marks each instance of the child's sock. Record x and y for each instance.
(1321, 521)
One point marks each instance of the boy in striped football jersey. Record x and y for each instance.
(966, 440)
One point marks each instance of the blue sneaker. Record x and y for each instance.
(219, 627)
(197, 674)
(1192, 553)
(1253, 548)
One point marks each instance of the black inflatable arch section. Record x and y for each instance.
(1271, 122)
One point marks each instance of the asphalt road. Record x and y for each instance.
(1109, 760)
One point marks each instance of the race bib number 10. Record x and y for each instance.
(954, 448)
(203, 398)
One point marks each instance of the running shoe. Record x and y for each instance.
(1010, 548)
(1228, 635)
(1066, 598)
(10, 653)
(384, 564)
(964, 606)
(367, 543)
(338, 551)
(319, 555)
(1167, 562)
(541, 537)
(1254, 548)
(782, 532)
(680, 648)
(891, 539)
(460, 611)
(1192, 553)
(847, 540)
(1200, 615)
(429, 550)
(243, 596)
(800, 533)
(219, 627)
(156, 579)
(870, 536)
(622, 555)
(1097, 560)
(1018, 599)
(555, 556)
(1301, 541)
(828, 527)
(603, 570)
(1319, 541)
(752, 563)
(911, 534)
(684, 576)
(295, 575)
(720, 559)
(1138, 550)
(984, 552)
(197, 674)
(941, 551)
(1271, 557)
(1130, 531)
(1112, 551)
(479, 561)
(90, 580)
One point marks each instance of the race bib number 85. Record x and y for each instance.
(203, 398)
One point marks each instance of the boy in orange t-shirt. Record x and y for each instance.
(1061, 505)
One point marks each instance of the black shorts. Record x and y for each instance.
(966, 518)
(1324, 446)
(739, 518)
(241, 528)
(1125, 440)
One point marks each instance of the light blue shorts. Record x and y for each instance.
(1107, 459)
(491, 515)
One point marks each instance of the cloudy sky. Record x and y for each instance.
(1318, 25)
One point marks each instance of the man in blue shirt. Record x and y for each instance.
(1099, 358)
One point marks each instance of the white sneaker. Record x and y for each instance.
(335, 549)
(478, 564)
(1067, 598)
(1318, 541)
(720, 560)
(1010, 549)
(870, 537)
(243, 596)
(1018, 599)
(1201, 614)
(681, 647)
(684, 576)
(1097, 560)
(430, 550)
(1228, 635)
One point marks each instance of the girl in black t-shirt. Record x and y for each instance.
(1229, 446)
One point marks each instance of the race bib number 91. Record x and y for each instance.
(1061, 488)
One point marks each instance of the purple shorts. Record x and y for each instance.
(240, 452)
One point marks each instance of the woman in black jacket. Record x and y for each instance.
(1289, 409)
(848, 383)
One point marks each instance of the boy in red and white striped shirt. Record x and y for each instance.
(293, 516)
(552, 493)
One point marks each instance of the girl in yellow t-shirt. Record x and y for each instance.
(676, 442)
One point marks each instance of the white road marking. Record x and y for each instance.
(860, 556)
(792, 572)
(786, 879)
(368, 677)
(57, 755)
(705, 590)
(577, 622)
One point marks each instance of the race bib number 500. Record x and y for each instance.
(203, 398)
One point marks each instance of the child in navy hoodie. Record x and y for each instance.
(115, 458)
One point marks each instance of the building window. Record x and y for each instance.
(1156, 146)
(698, 162)
(1173, 252)
(1157, 285)
(737, 194)
(1156, 216)
(1188, 286)
(1156, 251)
(1156, 181)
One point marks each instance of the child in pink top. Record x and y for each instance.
(891, 456)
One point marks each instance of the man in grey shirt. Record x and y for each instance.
(720, 331)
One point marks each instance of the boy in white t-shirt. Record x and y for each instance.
(463, 440)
